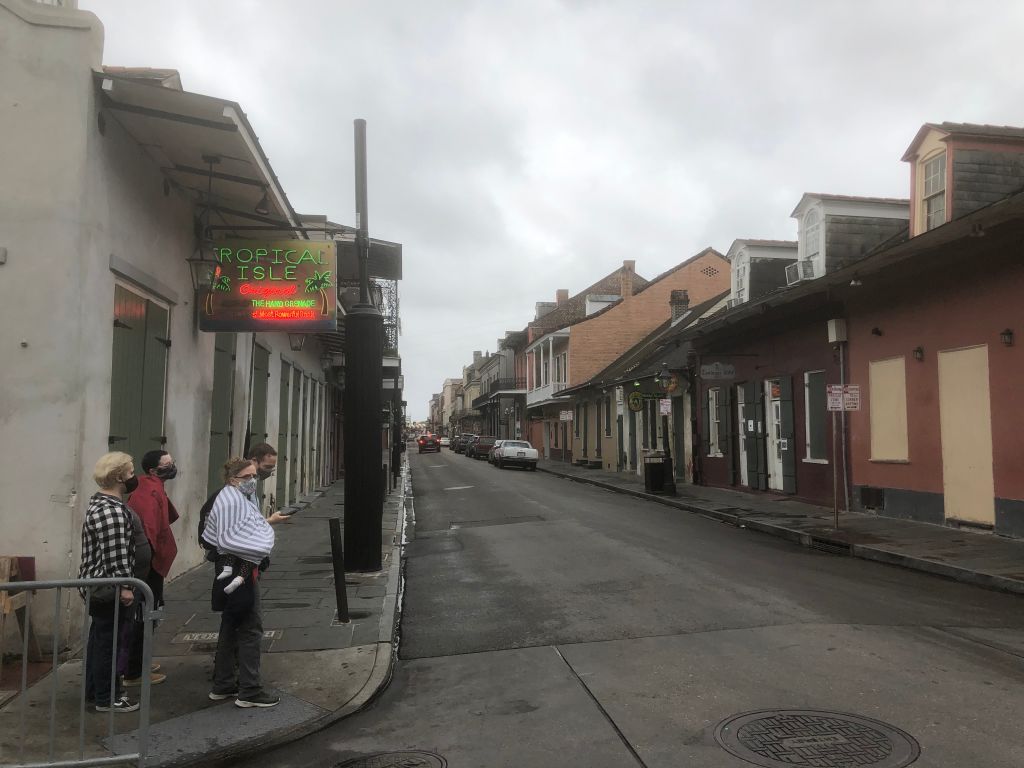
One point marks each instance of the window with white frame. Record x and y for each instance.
(741, 282)
(714, 444)
(934, 196)
(812, 234)
(558, 368)
(815, 416)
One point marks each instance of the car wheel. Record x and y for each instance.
(501, 464)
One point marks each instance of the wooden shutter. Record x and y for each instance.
(705, 424)
(293, 430)
(284, 400)
(761, 437)
(788, 447)
(220, 409)
(126, 374)
(753, 439)
(154, 378)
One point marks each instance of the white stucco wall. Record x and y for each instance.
(79, 212)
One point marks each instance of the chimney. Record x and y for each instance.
(626, 278)
(476, 356)
(542, 308)
(561, 296)
(680, 303)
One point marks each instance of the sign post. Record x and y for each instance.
(839, 399)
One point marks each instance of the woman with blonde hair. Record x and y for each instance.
(243, 537)
(108, 551)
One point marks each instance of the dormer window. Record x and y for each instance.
(935, 192)
(812, 234)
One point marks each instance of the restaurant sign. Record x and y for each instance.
(280, 285)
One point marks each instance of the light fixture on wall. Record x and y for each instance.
(919, 353)
(856, 283)
(664, 377)
(1006, 336)
(977, 230)
(201, 264)
(263, 206)
(296, 341)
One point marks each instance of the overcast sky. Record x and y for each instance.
(518, 147)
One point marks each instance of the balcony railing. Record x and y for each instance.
(546, 392)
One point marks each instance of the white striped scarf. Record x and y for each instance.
(236, 527)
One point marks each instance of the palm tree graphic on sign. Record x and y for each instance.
(218, 282)
(320, 282)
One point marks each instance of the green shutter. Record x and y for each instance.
(705, 423)
(817, 416)
(293, 431)
(307, 428)
(282, 435)
(260, 379)
(126, 374)
(788, 435)
(220, 408)
(761, 441)
(154, 378)
(725, 432)
(753, 439)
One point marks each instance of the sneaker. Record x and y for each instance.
(154, 667)
(124, 704)
(155, 678)
(219, 696)
(260, 699)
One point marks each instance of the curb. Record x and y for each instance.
(836, 545)
(378, 680)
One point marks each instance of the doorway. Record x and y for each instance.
(773, 430)
(284, 399)
(221, 408)
(965, 418)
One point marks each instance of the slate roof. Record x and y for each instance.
(575, 308)
(644, 358)
(966, 130)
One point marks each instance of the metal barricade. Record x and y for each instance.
(88, 585)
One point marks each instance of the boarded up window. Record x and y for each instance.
(815, 415)
(888, 386)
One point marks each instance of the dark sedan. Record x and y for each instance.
(428, 443)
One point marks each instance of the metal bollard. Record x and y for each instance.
(338, 559)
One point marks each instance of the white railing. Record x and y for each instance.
(546, 392)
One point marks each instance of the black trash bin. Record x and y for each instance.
(654, 473)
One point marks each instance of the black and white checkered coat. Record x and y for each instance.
(108, 543)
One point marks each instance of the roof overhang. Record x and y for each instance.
(561, 333)
(180, 131)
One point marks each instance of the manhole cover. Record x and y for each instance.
(397, 760)
(787, 737)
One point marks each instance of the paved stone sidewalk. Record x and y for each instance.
(323, 669)
(973, 557)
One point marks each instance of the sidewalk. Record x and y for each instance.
(979, 558)
(323, 670)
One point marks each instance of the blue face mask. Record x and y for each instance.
(248, 487)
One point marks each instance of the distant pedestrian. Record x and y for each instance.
(108, 551)
(151, 503)
(235, 527)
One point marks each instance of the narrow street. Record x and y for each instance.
(550, 623)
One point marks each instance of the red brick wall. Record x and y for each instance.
(598, 341)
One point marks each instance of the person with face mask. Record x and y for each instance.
(150, 502)
(242, 539)
(108, 551)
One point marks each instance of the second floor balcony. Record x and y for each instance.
(544, 392)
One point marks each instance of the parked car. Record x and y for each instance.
(428, 443)
(517, 453)
(495, 450)
(479, 448)
(445, 442)
(461, 441)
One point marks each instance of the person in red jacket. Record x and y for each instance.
(155, 510)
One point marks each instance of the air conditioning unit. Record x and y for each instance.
(799, 271)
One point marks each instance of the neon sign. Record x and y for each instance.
(283, 285)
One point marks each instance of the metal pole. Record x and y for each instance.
(364, 345)
(835, 474)
(338, 560)
(842, 419)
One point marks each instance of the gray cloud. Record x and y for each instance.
(516, 148)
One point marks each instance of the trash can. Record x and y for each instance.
(654, 473)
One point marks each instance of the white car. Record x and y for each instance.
(517, 453)
(445, 442)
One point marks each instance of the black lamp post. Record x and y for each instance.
(364, 351)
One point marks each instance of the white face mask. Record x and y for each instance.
(248, 487)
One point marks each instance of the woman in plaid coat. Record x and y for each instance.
(108, 551)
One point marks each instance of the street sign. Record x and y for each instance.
(718, 372)
(843, 398)
(665, 407)
(565, 415)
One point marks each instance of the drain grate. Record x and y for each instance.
(396, 760)
(832, 547)
(456, 524)
(784, 738)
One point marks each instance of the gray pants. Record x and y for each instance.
(240, 637)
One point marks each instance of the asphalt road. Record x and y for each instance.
(551, 623)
